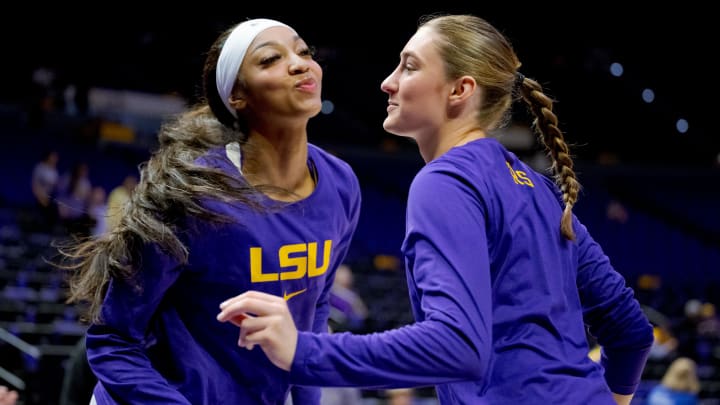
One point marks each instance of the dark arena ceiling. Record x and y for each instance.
(665, 52)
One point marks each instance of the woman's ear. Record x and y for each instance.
(463, 88)
(237, 102)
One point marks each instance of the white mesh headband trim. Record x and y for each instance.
(233, 53)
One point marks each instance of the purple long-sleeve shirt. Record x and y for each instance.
(164, 345)
(501, 299)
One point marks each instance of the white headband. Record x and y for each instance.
(233, 53)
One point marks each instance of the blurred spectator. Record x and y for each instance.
(617, 212)
(44, 185)
(665, 344)
(79, 380)
(707, 345)
(400, 396)
(76, 182)
(117, 199)
(698, 332)
(709, 324)
(97, 210)
(73, 198)
(679, 386)
(348, 311)
(42, 95)
(686, 329)
(341, 396)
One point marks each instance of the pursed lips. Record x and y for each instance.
(308, 84)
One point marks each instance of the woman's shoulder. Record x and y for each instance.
(484, 151)
(214, 158)
(335, 177)
(330, 163)
(471, 166)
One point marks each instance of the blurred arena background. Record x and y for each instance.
(635, 91)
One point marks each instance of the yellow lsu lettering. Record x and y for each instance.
(301, 257)
(519, 176)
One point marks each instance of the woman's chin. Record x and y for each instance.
(389, 126)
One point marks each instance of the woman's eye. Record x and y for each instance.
(310, 51)
(270, 59)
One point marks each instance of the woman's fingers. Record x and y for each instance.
(264, 320)
(251, 302)
(250, 326)
(7, 396)
(237, 319)
(252, 311)
(276, 335)
(250, 294)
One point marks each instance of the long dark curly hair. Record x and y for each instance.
(171, 188)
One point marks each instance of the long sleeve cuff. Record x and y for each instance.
(623, 369)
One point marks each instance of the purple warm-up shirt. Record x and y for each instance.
(163, 344)
(501, 299)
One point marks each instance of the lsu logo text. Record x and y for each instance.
(519, 176)
(301, 258)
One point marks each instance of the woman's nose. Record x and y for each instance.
(388, 85)
(299, 65)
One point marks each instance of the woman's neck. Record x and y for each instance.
(435, 145)
(280, 162)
